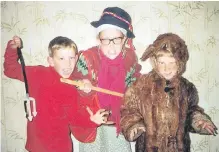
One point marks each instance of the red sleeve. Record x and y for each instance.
(83, 129)
(81, 118)
(12, 68)
(137, 73)
(78, 114)
(137, 66)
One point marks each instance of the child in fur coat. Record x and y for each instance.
(161, 107)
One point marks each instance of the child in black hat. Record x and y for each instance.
(111, 65)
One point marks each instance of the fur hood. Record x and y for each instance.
(172, 43)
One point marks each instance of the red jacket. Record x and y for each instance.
(56, 105)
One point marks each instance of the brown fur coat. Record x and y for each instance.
(167, 115)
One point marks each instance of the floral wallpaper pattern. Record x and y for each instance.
(39, 22)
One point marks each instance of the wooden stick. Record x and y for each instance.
(98, 89)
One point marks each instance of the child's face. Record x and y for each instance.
(63, 61)
(111, 42)
(166, 66)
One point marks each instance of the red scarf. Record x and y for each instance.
(111, 76)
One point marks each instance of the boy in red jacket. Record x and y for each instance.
(56, 102)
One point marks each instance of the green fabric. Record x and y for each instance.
(82, 66)
(129, 79)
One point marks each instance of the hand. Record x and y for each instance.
(16, 42)
(109, 122)
(208, 126)
(87, 86)
(134, 131)
(100, 117)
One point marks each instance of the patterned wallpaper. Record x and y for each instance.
(39, 22)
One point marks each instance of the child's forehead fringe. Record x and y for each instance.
(57, 47)
(64, 45)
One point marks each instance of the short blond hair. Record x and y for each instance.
(60, 42)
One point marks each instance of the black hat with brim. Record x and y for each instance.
(110, 19)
